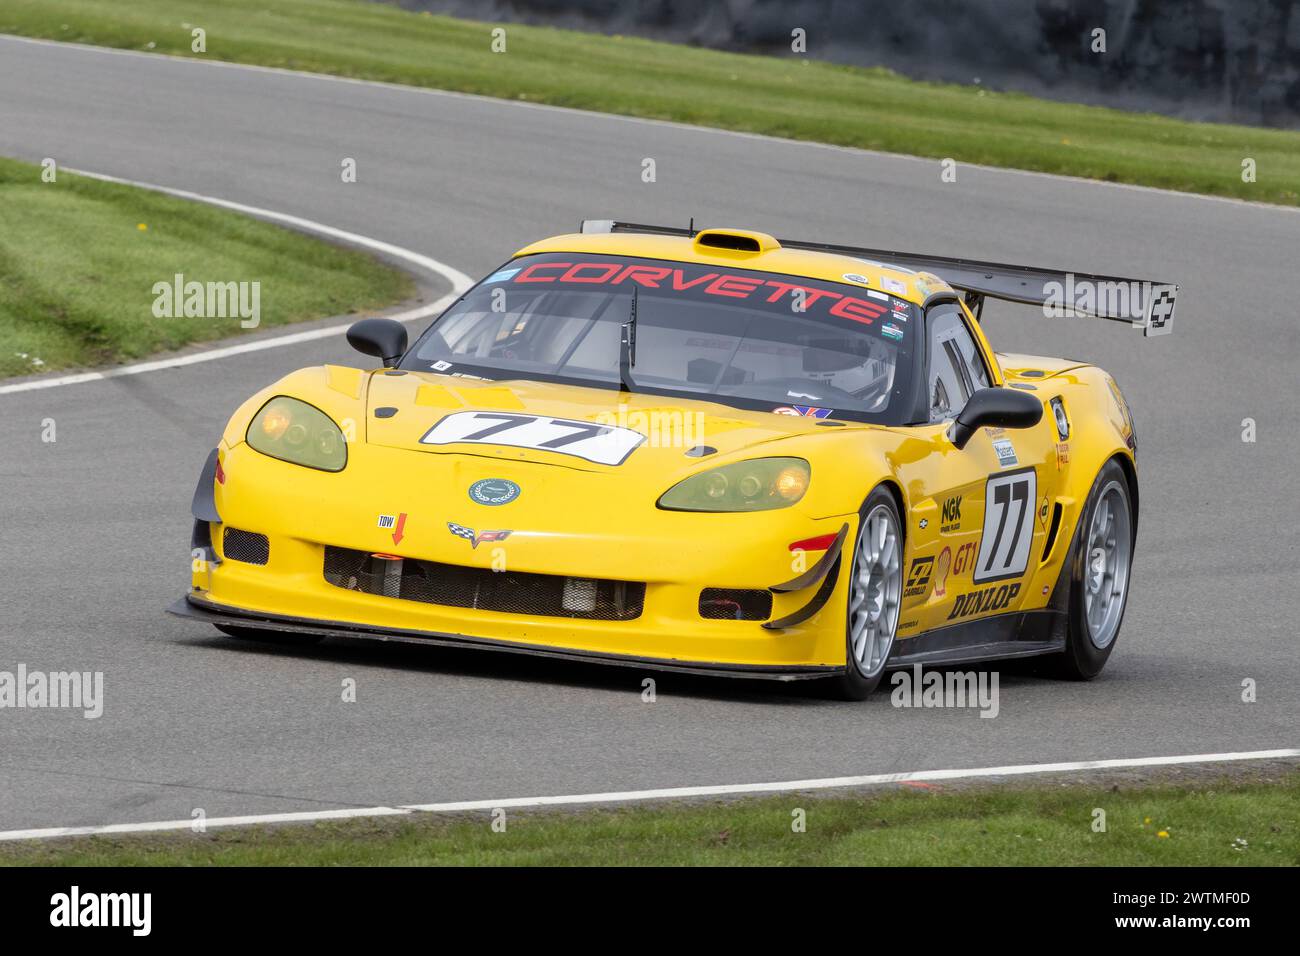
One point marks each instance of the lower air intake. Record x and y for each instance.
(514, 592)
(245, 546)
(735, 604)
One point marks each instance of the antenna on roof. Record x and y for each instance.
(691, 227)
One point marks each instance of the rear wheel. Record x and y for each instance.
(269, 637)
(1100, 568)
(875, 594)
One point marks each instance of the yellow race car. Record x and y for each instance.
(699, 450)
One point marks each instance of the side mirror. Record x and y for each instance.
(998, 407)
(385, 338)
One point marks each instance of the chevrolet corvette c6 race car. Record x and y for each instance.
(710, 451)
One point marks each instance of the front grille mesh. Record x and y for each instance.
(245, 546)
(735, 604)
(514, 592)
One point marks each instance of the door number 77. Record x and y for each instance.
(1008, 526)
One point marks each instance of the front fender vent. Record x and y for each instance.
(1051, 532)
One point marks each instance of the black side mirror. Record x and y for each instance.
(385, 338)
(998, 407)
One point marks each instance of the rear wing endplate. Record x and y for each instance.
(1144, 303)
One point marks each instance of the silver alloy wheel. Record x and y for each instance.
(1105, 577)
(877, 588)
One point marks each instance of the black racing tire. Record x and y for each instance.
(1088, 645)
(269, 637)
(857, 682)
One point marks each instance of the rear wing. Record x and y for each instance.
(1142, 303)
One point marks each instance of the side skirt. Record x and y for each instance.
(997, 638)
(1001, 637)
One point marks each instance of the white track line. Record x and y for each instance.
(633, 796)
(458, 280)
(672, 124)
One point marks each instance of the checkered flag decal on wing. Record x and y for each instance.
(1160, 312)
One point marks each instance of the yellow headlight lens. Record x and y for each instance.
(296, 432)
(274, 423)
(792, 483)
(758, 485)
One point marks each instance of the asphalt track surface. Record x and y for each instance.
(94, 527)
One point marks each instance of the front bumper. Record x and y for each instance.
(674, 556)
(197, 608)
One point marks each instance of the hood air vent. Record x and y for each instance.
(736, 240)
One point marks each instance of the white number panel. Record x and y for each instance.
(603, 444)
(1009, 503)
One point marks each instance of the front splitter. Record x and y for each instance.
(197, 608)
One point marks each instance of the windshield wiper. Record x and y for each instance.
(627, 348)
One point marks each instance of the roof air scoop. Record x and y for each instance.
(736, 240)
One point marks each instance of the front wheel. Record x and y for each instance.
(1099, 575)
(875, 594)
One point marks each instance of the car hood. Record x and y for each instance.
(424, 412)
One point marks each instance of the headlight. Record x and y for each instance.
(294, 431)
(758, 485)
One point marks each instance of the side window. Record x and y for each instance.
(956, 370)
(970, 354)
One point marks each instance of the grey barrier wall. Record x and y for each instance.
(1223, 60)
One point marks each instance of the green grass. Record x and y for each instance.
(79, 259)
(1215, 822)
(789, 96)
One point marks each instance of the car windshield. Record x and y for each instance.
(758, 340)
